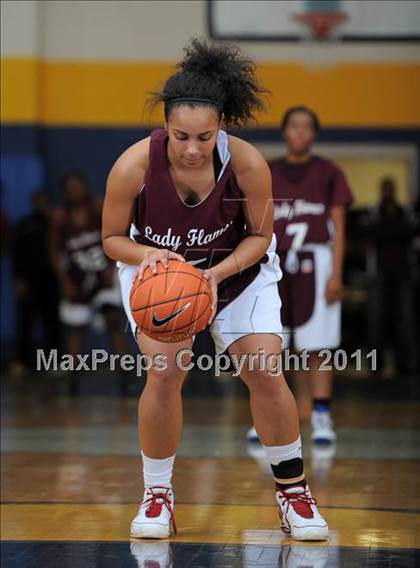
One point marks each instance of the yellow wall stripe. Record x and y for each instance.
(349, 94)
(113, 94)
(20, 82)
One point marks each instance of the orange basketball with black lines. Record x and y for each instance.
(173, 304)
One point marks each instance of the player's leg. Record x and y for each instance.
(273, 406)
(74, 339)
(159, 425)
(73, 345)
(303, 394)
(320, 330)
(113, 323)
(295, 307)
(75, 317)
(160, 405)
(276, 420)
(321, 388)
(252, 435)
(108, 301)
(112, 317)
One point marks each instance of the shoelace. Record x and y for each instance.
(301, 502)
(156, 501)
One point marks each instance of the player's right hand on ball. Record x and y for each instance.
(152, 257)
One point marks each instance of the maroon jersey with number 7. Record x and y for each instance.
(303, 195)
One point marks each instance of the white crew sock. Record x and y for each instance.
(157, 472)
(277, 454)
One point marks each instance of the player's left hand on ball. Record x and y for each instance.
(152, 257)
(210, 277)
(333, 290)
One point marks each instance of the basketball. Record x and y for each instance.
(173, 304)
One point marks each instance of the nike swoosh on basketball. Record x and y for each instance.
(194, 262)
(158, 322)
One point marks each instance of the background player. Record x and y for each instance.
(86, 276)
(214, 183)
(311, 195)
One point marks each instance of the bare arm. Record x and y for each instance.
(334, 287)
(123, 186)
(254, 179)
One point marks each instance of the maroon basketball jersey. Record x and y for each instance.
(303, 194)
(81, 248)
(204, 233)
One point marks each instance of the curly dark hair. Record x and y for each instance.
(218, 74)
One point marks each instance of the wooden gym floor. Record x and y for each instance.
(71, 480)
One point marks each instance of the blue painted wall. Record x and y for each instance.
(33, 156)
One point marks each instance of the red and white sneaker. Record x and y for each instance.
(155, 514)
(299, 514)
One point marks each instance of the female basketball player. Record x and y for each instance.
(192, 178)
(86, 275)
(310, 229)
